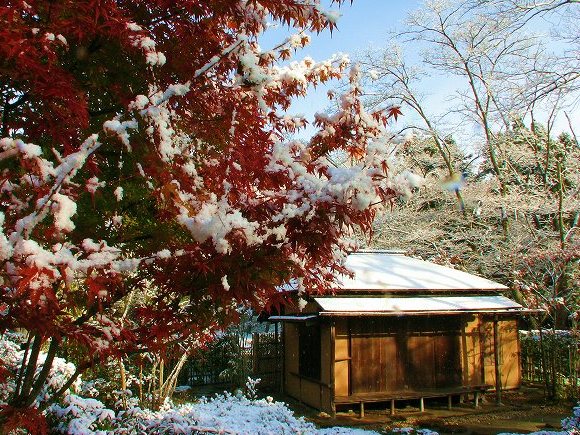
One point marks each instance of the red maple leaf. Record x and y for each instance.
(394, 112)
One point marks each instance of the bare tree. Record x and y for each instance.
(529, 9)
(394, 83)
(488, 53)
(562, 71)
(509, 78)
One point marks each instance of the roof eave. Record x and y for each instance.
(516, 311)
(438, 290)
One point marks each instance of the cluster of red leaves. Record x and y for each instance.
(69, 66)
(18, 419)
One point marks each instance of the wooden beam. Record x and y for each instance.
(349, 371)
(282, 355)
(280, 363)
(496, 360)
(332, 367)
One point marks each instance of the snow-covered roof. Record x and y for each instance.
(382, 270)
(292, 318)
(385, 305)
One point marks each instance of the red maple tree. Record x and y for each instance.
(143, 150)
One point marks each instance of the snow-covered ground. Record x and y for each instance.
(224, 413)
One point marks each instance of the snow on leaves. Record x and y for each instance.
(76, 414)
(143, 150)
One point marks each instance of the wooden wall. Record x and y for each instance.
(509, 352)
(383, 354)
(341, 358)
(401, 354)
(417, 353)
(315, 393)
(471, 351)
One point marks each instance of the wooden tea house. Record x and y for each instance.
(400, 329)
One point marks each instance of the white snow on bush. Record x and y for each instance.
(223, 413)
(11, 355)
(76, 415)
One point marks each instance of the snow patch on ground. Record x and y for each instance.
(224, 413)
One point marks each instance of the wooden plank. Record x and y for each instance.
(391, 367)
(365, 357)
(371, 367)
(496, 361)
(409, 394)
(420, 370)
(341, 358)
(471, 351)
(332, 365)
(510, 358)
(447, 360)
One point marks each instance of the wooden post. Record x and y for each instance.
(282, 354)
(496, 360)
(362, 410)
(332, 367)
(476, 399)
(449, 402)
(421, 405)
(392, 406)
(255, 347)
(349, 329)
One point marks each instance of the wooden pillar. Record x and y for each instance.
(362, 410)
(449, 401)
(300, 388)
(281, 341)
(332, 366)
(497, 365)
(349, 331)
(392, 406)
(421, 405)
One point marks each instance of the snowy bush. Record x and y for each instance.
(81, 416)
(224, 412)
(11, 355)
(240, 413)
(413, 431)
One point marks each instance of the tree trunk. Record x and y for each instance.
(123, 382)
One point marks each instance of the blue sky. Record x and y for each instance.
(366, 24)
(362, 25)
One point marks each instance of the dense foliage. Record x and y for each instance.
(84, 412)
(146, 185)
(550, 357)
